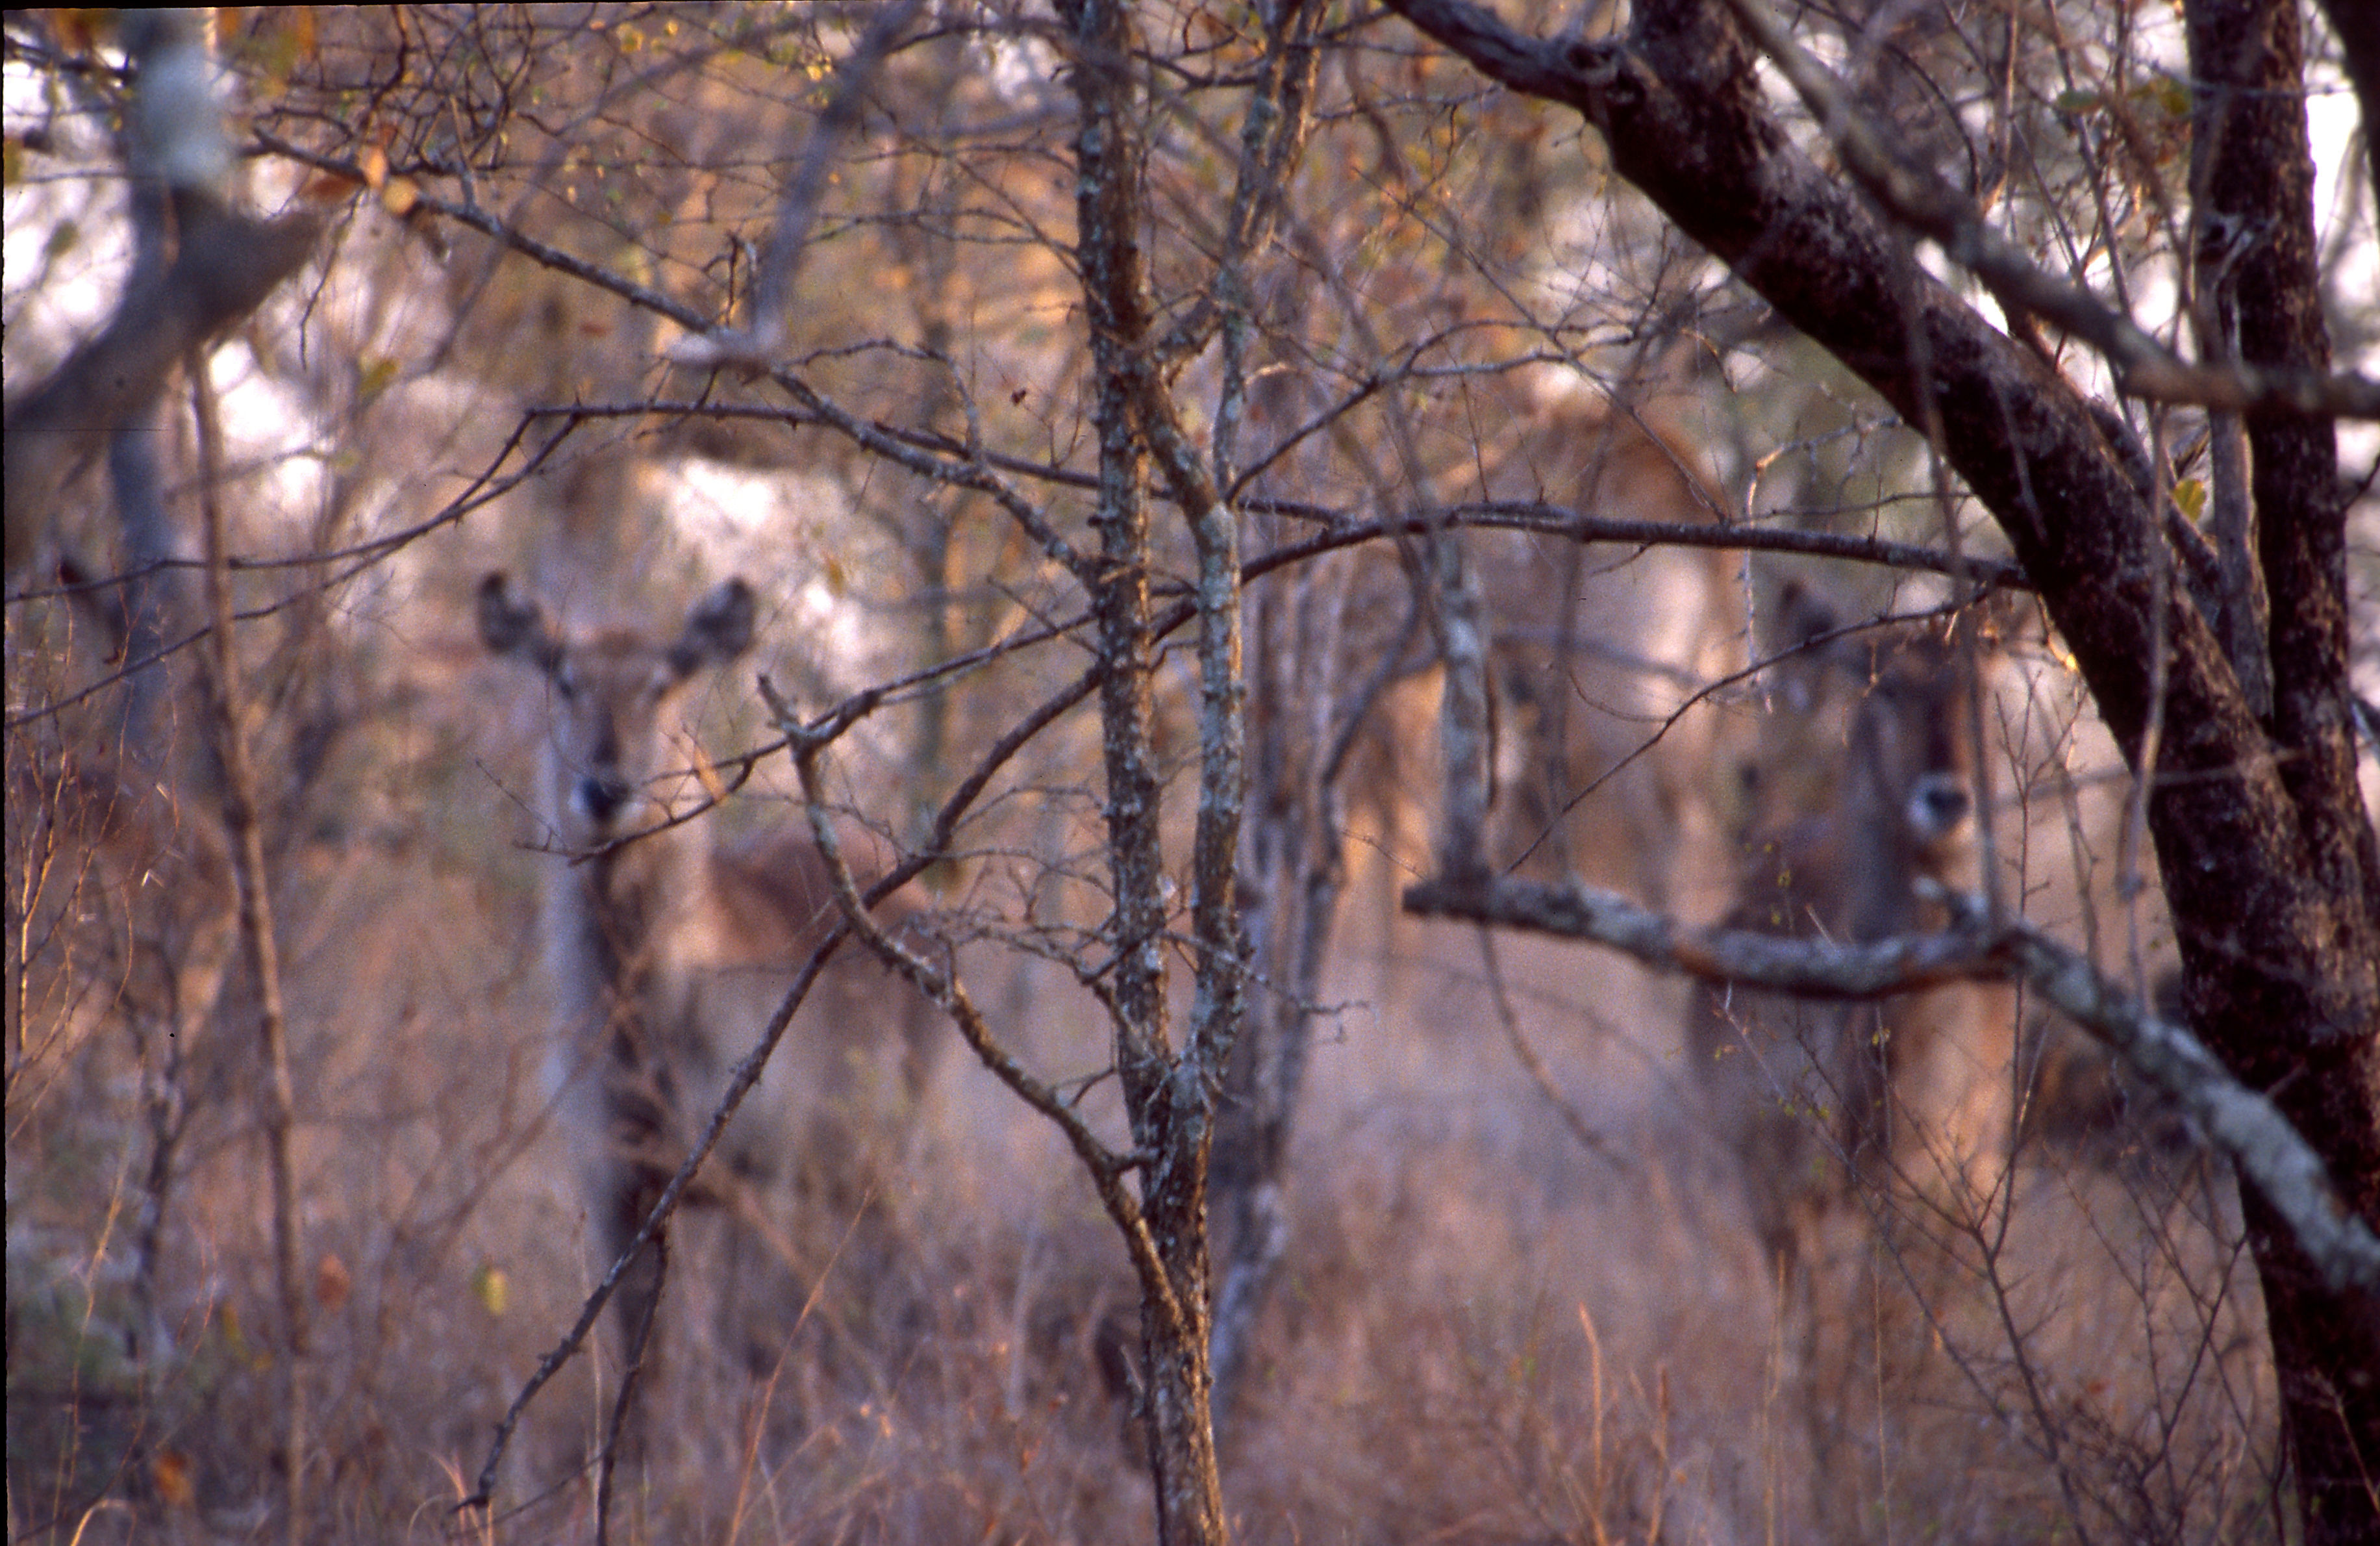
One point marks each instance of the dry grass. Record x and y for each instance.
(1485, 1333)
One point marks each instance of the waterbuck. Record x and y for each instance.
(667, 951)
(1913, 1090)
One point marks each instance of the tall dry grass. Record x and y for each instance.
(1486, 1332)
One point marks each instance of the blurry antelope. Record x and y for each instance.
(1913, 1089)
(1595, 652)
(1600, 649)
(667, 953)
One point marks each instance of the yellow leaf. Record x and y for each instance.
(2189, 498)
(490, 1289)
(378, 370)
(374, 166)
(399, 195)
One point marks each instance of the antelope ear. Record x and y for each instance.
(718, 629)
(512, 625)
(1802, 616)
(1807, 658)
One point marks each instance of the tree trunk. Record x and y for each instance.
(2295, 1009)
(1169, 1101)
(1295, 871)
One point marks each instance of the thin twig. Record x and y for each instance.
(241, 825)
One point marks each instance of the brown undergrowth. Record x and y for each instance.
(1484, 1332)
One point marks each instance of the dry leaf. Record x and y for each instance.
(490, 1287)
(331, 1281)
(169, 1472)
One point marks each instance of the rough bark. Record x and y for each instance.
(1294, 867)
(1168, 1096)
(2254, 178)
(2272, 873)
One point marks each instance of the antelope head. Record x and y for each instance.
(608, 741)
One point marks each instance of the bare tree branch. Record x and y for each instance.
(2245, 1126)
(2144, 367)
(756, 345)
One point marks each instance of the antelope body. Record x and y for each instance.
(1595, 652)
(1915, 1088)
(667, 953)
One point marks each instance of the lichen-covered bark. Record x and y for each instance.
(2271, 876)
(1294, 866)
(1169, 1097)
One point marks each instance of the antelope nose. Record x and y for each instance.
(1938, 804)
(599, 797)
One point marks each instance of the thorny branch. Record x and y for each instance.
(243, 829)
(747, 1073)
(484, 490)
(754, 346)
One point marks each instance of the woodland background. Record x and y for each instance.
(283, 1245)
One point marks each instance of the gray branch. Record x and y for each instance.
(756, 346)
(2269, 1155)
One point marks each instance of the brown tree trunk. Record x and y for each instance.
(2300, 1015)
